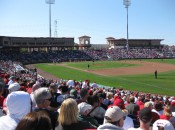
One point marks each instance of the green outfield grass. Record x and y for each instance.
(164, 85)
(99, 65)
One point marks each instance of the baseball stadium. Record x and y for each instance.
(110, 65)
(65, 83)
(112, 74)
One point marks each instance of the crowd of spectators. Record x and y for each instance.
(139, 53)
(40, 57)
(85, 55)
(30, 102)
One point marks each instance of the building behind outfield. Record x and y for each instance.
(134, 43)
(30, 44)
(39, 43)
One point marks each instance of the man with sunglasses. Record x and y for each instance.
(43, 100)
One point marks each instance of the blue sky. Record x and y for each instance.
(99, 19)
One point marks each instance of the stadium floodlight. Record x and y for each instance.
(50, 2)
(127, 3)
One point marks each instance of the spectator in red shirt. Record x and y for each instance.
(140, 102)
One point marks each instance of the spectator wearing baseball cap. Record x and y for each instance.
(118, 101)
(114, 119)
(14, 87)
(128, 122)
(145, 117)
(84, 110)
(11, 80)
(73, 93)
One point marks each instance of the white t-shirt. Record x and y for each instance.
(164, 123)
(128, 123)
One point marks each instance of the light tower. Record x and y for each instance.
(55, 34)
(127, 3)
(50, 2)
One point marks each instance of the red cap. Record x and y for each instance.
(172, 102)
(90, 92)
(119, 102)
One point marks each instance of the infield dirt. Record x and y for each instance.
(143, 68)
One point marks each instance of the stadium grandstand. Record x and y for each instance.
(90, 105)
(44, 49)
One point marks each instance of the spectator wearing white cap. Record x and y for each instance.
(18, 105)
(11, 80)
(128, 122)
(84, 110)
(71, 83)
(14, 87)
(113, 120)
